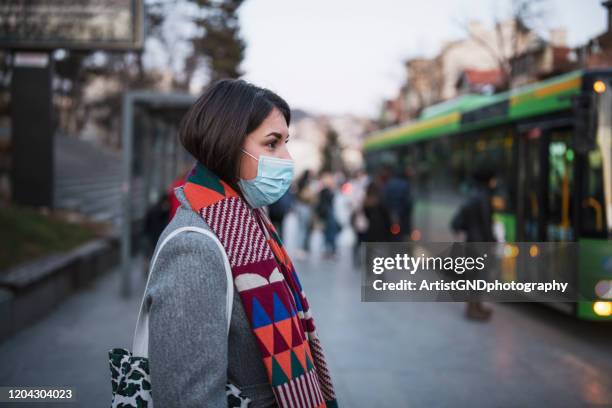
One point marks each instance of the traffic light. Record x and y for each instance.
(585, 121)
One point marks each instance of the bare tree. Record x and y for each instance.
(220, 45)
(525, 16)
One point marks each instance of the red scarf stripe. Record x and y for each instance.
(317, 390)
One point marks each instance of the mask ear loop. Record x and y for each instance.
(258, 212)
(250, 154)
(241, 192)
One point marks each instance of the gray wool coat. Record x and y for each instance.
(190, 354)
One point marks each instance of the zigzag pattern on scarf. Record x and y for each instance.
(238, 232)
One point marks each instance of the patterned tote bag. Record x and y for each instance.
(130, 371)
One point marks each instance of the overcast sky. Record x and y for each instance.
(344, 56)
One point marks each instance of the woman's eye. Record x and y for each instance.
(272, 145)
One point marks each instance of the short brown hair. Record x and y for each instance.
(215, 127)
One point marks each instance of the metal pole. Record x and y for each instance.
(126, 193)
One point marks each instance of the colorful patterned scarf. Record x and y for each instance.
(270, 290)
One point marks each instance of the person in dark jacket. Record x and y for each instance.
(305, 200)
(278, 210)
(475, 219)
(379, 219)
(398, 199)
(326, 213)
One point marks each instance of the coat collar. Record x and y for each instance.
(180, 196)
(204, 188)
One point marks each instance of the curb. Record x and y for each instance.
(30, 291)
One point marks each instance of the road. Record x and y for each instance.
(380, 354)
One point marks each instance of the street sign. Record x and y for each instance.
(85, 24)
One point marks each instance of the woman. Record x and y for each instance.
(237, 133)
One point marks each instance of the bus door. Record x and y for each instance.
(546, 172)
(560, 211)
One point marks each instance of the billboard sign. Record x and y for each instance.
(84, 24)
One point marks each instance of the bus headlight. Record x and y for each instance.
(602, 308)
(599, 86)
(603, 289)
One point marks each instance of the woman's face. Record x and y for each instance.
(269, 139)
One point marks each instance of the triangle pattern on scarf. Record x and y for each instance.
(278, 375)
(296, 336)
(280, 312)
(296, 366)
(285, 329)
(280, 344)
(284, 360)
(266, 337)
(300, 353)
(259, 316)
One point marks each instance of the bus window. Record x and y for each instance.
(376, 161)
(461, 157)
(495, 147)
(559, 226)
(422, 168)
(532, 182)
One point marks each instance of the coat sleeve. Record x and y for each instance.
(188, 340)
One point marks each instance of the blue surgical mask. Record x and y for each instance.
(273, 179)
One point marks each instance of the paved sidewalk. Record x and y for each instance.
(380, 354)
(70, 346)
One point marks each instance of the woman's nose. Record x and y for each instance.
(284, 154)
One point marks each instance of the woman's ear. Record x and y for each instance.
(247, 166)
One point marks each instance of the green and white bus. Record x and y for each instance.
(552, 143)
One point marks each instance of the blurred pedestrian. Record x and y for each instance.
(398, 199)
(305, 200)
(279, 209)
(359, 221)
(377, 215)
(326, 213)
(475, 219)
